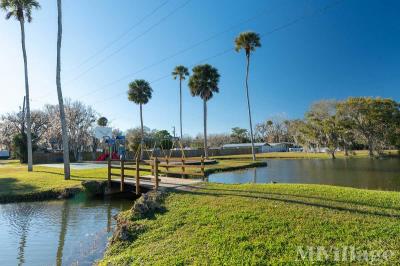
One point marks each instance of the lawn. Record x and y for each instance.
(305, 155)
(264, 224)
(16, 183)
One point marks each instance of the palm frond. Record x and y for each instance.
(204, 81)
(140, 91)
(19, 9)
(248, 41)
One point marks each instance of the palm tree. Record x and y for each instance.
(140, 93)
(180, 72)
(248, 41)
(21, 10)
(102, 121)
(204, 83)
(64, 131)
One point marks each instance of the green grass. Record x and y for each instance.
(304, 155)
(262, 224)
(16, 183)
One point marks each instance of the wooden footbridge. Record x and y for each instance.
(162, 172)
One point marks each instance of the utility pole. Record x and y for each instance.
(173, 132)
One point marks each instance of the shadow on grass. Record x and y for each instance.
(73, 177)
(270, 196)
(303, 196)
(9, 185)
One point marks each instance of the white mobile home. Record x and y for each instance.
(259, 146)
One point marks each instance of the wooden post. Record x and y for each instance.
(166, 162)
(109, 172)
(122, 175)
(202, 166)
(156, 172)
(183, 167)
(137, 175)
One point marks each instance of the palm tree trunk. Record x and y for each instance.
(60, 96)
(142, 133)
(248, 107)
(28, 110)
(205, 129)
(180, 103)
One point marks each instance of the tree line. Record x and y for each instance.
(350, 124)
(355, 123)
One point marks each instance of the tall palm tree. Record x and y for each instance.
(21, 10)
(248, 41)
(204, 83)
(180, 72)
(140, 93)
(64, 131)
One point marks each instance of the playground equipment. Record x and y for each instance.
(116, 145)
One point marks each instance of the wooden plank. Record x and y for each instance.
(122, 176)
(137, 177)
(202, 166)
(180, 165)
(113, 174)
(140, 169)
(156, 173)
(172, 159)
(109, 173)
(145, 178)
(181, 173)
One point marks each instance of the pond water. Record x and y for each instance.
(67, 232)
(366, 173)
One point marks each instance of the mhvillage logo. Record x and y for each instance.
(342, 254)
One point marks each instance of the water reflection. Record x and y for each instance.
(360, 173)
(72, 232)
(63, 231)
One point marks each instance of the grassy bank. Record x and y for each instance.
(262, 224)
(16, 184)
(305, 155)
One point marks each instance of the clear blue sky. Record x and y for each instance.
(350, 49)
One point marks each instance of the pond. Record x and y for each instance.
(383, 174)
(59, 232)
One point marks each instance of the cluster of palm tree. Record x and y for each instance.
(202, 83)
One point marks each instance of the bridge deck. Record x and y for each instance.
(165, 182)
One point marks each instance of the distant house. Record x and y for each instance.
(279, 147)
(261, 147)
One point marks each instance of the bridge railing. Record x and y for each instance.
(156, 166)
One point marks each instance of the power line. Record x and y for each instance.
(225, 51)
(277, 29)
(88, 59)
(184, 50)
(128, 43)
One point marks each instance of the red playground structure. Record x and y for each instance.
(104, 156)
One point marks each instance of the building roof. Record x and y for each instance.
(278, 143)
(244, 145)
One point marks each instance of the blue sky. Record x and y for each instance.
(308, 53)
